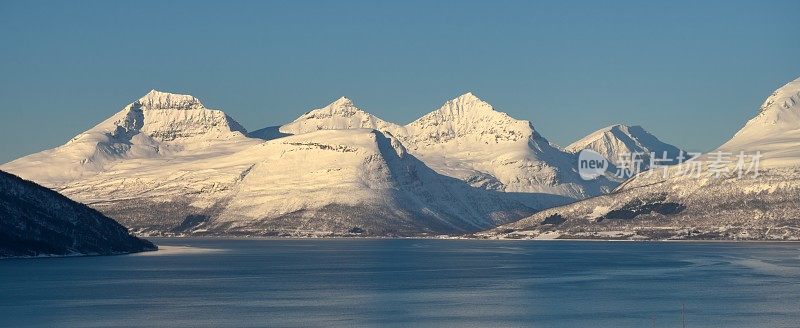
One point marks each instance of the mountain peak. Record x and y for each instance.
(632, 133)
(468, 96)
(164, 100)
(774, 131)
(785, 98)
(342, 114)
(466, 102)
(166, 116)
(468, 119)
(341, 106)
(619, 140)
(779, 114)
(342, 102)
(625, 129)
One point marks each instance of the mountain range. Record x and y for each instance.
(748, 188)
(166, 164)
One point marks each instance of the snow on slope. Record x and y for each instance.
(157, 125)
(325, 182)
(619, 141)
(469, 140)
(775, 131)
(341, 114)
(165, 164)
(704, 206)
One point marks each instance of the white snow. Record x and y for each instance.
(339, 115)
(158, 125)
(725, 206)
(469, 140)
(620, 141)
(333, 168)
(775, 131)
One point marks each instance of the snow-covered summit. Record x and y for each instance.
(168, 116)
(156, 125)
(620, 141)
(775, 131)
(164, 100)
(469, 119)
(466, 102)
(467, 138)
(785, 98)
(780, 111)
(342, 102)
(342, 114)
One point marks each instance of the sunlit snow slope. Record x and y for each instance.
(620, 142)
(716, 204)
(157, 125)
(469, 140)
(166, 164)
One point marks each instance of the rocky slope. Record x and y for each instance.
(36, 221)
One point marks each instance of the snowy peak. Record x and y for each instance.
(775, 131)
(619, 140)
(786, 97)
(780, 110)
(470, 119)
(342, 102)
(158, 125)
(342, 106)
(629, 135)
(341, 114)
(165, 116)
(464, 104)
(468, 97)
(164, 100)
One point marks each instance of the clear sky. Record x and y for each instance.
(691, 72)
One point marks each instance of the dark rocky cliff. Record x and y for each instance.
(36, 221)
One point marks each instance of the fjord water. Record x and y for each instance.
(404, 282)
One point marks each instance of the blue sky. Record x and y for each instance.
(691, 72)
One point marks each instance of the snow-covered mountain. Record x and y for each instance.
(775, 131)
(725, 200)
(166, 164)
(469, 140)
(157, 125)
(618, 143)
(36, 221)
(341, 114)
(322, 182)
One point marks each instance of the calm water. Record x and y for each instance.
(460, 283)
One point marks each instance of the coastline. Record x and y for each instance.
(469, 238)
